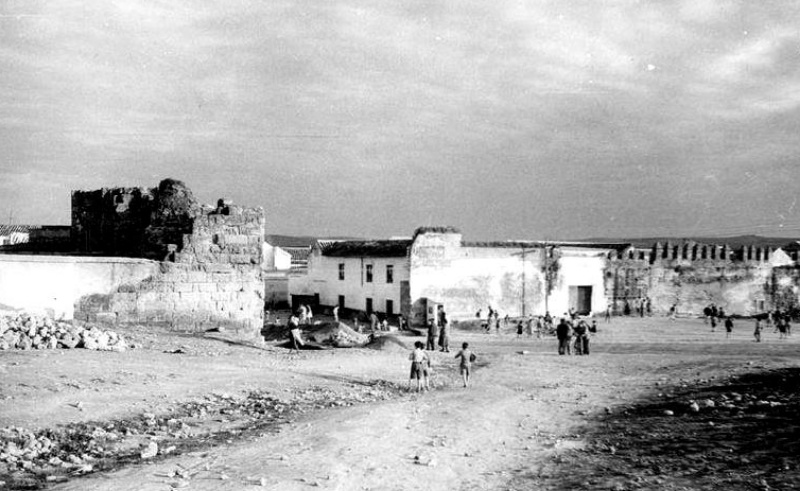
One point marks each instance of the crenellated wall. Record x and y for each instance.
(690, 276)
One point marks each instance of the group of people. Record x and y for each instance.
(439, 331)
(421, 367)
(573, 332)
(781, 320)
(542, 324)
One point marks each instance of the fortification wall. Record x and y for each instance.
(690, 276)
(215, 280)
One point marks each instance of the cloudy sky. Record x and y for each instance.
(554, 119)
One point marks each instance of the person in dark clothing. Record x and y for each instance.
(433, 334)
(728, 327)
(581, 337)
(444, 329)
(563, 333)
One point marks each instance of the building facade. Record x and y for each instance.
(520, 278)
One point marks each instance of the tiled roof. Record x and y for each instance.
(538, 244)
(365, 248)
(10, 229)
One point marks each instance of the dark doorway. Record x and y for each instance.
(580, 299)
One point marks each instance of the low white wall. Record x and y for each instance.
(53, 284)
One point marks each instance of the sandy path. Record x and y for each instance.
(523, 409)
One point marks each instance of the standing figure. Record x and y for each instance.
(497, 322)
(608, 315)
(519, 329)
(467, 358)
(757, 332)
(373, 321)
(417, 357)
(295, 338)
(563, 334)
(444, 329)
(336, 313)
(728, 327)
(433, 333)
(581, 338)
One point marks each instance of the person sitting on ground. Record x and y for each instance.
(417, 358)
(467, 358)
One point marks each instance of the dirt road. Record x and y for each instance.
(527, 414)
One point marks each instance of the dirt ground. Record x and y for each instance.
(658, 404)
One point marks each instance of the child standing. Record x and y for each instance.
(757, 332)
(467, 357)
(417, 358)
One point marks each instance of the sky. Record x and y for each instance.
(544, 120)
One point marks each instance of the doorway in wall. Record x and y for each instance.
(369, 306)
(580, 299)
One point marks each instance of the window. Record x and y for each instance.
(341, 271)
(389, 273)
(369, 273)
(389, 307)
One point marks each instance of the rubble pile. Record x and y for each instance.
(28, 458)
(38, 332)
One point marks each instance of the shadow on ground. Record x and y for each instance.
(740, 434)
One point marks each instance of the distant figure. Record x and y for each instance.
(519, 329)
(626, 310)
(608, 315)
(433, 334)
(417, 357)
(309, 314)
(713, 324)
(373, 321)
(673, 312)
(581, 337)
(539, 326)
(728, 327)
(467, 358)
(593, 327)
(444, 329)
(384, 324)
(295, 337)
(336, 313)
(757, 332)
(401, 322)
(302, 314)
(529, 326)
(706, 314)
(563, 334)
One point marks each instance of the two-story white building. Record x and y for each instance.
(366, 276)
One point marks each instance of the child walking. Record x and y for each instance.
(467, 357)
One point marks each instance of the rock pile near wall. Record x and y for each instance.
(31, 332)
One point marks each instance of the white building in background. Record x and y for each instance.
(365, 276)
(436, 266)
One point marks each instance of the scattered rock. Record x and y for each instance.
(150, 451)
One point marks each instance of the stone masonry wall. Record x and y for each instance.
(691, 276)
(215, 281)
(209, 273)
